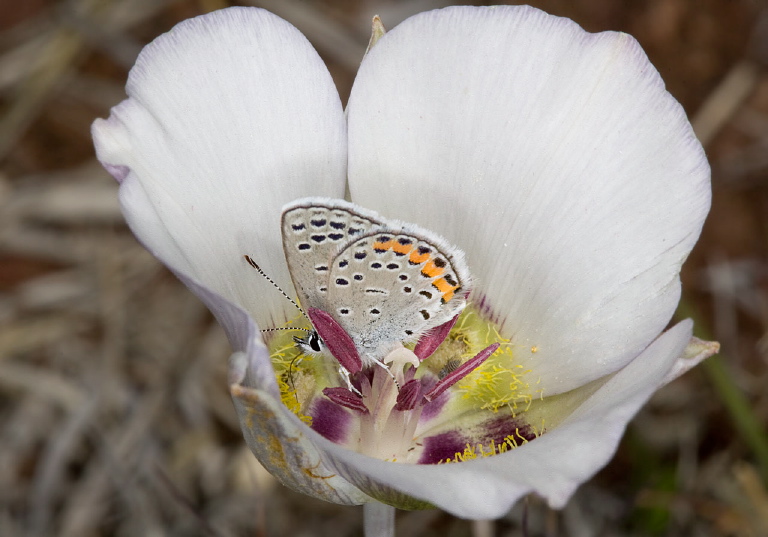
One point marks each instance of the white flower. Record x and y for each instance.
(552, 157)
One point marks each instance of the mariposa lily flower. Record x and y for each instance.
(552, 157)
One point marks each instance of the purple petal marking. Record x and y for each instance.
(445, 446)
(346, 398)
(432, 339)
(442, 447)
(330, 420)
(336, 339)
(118, 171)
(434, 408)
(460, 372)
(409, 395)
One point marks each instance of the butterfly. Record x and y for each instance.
(368, 284)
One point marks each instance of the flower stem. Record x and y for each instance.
(379, 520)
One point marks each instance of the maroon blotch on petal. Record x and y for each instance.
(443, 447)
(336, 339)
(409, 396)
(434, 408)
(330, 420)
(432, 339)
(460, 372)
(431, 409)
(346, 398)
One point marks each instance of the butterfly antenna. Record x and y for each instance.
(270, 280)
(286, 328)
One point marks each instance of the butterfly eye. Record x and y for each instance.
(314, 342)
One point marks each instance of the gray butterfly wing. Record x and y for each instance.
(314, 229)
(392, 285)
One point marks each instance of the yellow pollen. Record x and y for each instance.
(297, 374)
(500, 383)
(480, 450)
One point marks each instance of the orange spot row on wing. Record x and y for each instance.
(401, 248)
(445, 288)
(398, 248)
(416, 258)
(432, 270)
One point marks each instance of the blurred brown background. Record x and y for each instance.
(114, 412)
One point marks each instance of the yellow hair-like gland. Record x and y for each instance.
(294, 371)
(499, 382)
(480, 450)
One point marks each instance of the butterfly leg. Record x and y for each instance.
(345, 374)
(385, 367)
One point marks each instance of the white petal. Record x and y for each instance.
(230, 115)
(555, 158)
(277, 438)
(696, 351)
(552, 466)
(281, 443)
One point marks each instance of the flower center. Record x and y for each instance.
(461, 401)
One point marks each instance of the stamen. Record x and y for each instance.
(460, 372)
(346, 398)
(431, 340)
(336, 339)
(409, 395)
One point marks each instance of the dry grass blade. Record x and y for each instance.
(725, 101)
(52, 61)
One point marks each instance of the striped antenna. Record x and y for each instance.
(292, 301)
(286, 328)
(270, 280)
